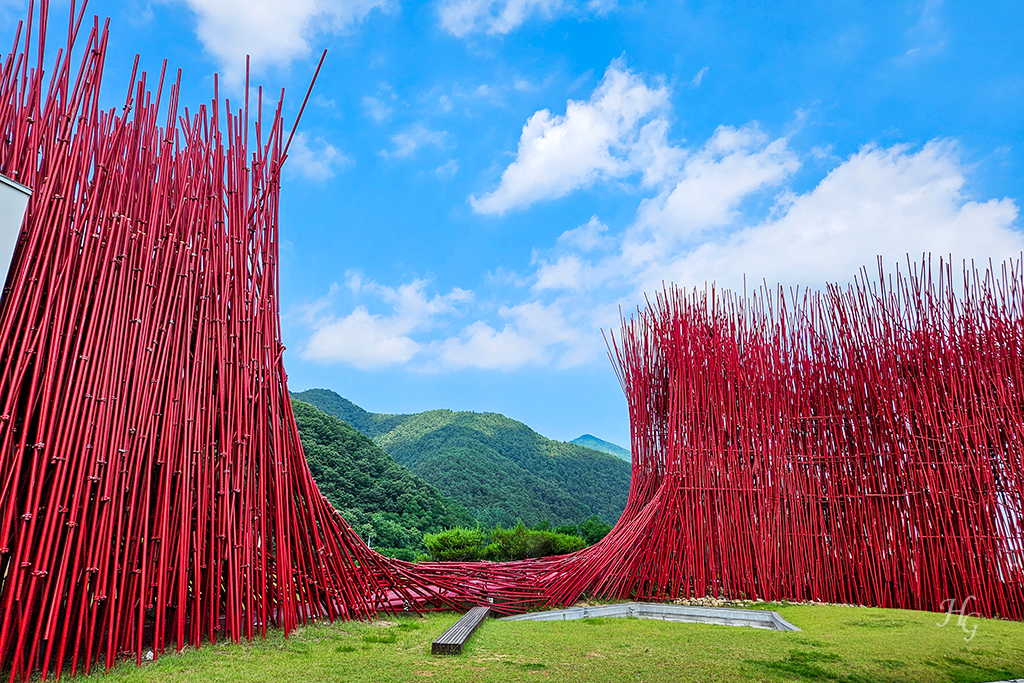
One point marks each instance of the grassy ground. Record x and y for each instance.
(837, 643)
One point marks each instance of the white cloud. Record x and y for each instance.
(377, 109)
(652, 154)
(481, 346)
(461, 17)
(699, 77)
(365, 340)
(362, 340)
(501, 17)
(889, 202)
(593, 140)
(719, 210)
(522, 84)
(322, 101)
(568, 272)
(272, 32)
(447, 170)
(734, 163)
(572, 271)
(413, 138)
(484, 91)
(822, 152)
(534, 334)
(587, 237)
(318, 160)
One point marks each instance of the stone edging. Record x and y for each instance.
(656, 610)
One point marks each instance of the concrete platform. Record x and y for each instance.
(725, 616)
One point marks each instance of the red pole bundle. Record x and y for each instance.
(152, 485)
(855, 445)
(858, 445)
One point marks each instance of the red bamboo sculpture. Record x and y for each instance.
(152, 484)
(856, 445)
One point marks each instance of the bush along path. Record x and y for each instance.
(518, 543)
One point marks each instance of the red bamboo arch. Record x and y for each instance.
(860, 444)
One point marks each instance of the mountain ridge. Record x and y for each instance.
(387, 505)
(498, 468)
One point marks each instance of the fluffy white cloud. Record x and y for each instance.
(481, 346)
(567, 266)
(272, 32)
(362, 340)
(568, 272)
(598, 138)
(706, 194)
(318, 160)
(722, 210)
(413, 138)
(879, 202)
(461, 17)
(887, 202)
(377, 109)
(534, 333)
(587, 237)
(365, 340)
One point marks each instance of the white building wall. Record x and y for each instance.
(13, 202)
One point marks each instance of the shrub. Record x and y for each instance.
(455, 545)
(407, 554)
(567, 529)
(512, 543)
(567, 543)
(593, 529)
(519, 543)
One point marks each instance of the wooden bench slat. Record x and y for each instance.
(451, 641)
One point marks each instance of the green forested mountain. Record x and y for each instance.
(387, 505)
(370, 424)
(500, 469)
(591, 441)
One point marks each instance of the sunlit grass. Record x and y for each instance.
(836, 644)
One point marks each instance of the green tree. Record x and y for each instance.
(593, 529)
(455, 545)
(568, 529)
(519, 543)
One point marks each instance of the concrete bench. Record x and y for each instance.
(451, 641)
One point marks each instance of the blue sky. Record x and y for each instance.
(478, 186)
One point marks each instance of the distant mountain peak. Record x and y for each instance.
(591, 441)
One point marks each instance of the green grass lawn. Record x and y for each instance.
(836, 644)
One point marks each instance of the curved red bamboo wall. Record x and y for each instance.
(152, 484)
(856, 445)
